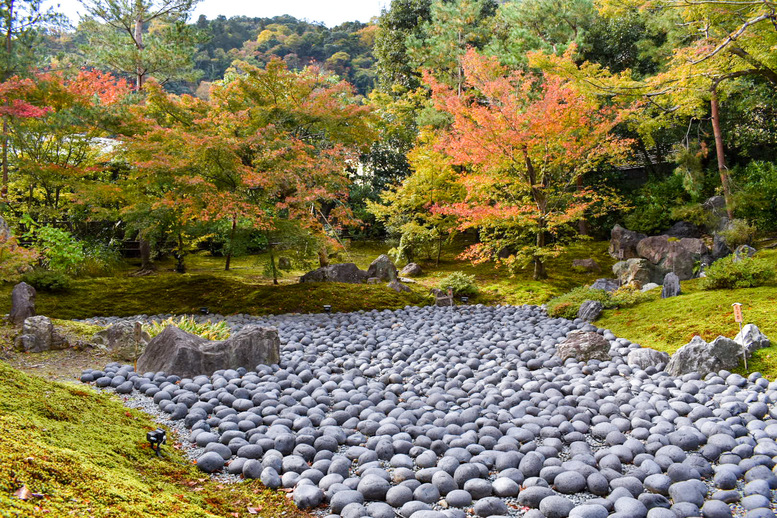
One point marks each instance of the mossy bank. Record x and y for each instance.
(81, 453)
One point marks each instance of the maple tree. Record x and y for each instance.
(55, 140)
(522, 142)
(269, 144)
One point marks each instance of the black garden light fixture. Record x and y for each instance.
(327, 309)
(205, 311)
(464, 299)
(156, 438)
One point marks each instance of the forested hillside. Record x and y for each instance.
(525, 125)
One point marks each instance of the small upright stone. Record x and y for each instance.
(38, 335)
(383, 268)
(671, 286)
(751, 338)
(590, 310)
(22, 303)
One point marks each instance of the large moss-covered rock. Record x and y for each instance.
(183, 354)
(382, 268)
(126, 341)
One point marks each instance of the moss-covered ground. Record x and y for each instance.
(72, 451)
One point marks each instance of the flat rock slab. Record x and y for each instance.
(584, 346)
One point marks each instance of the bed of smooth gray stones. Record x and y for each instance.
(446, 413)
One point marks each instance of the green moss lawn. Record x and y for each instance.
(75, 452)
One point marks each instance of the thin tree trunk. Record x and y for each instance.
(722, 169)
(146, 265)
(439, 250)
(539, 265)
(539, 199)
(6, 73)
(582, 224)
(272, 265)
(323, 257)
(231, 242)
(139, 72)
(180, 267)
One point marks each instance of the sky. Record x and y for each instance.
(330, 12)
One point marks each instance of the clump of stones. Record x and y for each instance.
(454, 412)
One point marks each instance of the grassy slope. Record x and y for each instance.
(85, 454)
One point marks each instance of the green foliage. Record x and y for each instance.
(568, 304)
(58, 248)
(692, 213)
(208, 330)
(462, 283)
(747, 272)
(738, 232)
(653, 205)
(48, 280)
(14, 260)
(87, 454)
(756, 200)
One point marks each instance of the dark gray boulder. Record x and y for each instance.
(623, 243)
(183, 354)
(720, 248)
(671, 286)
(126, 341)
(590, 310)
(646, 357)
(584, 346)
(38, 335)
(703, 358)
(383, 268)
(22, 303)
(411, 270)
(608, 285)
(341, 272)
(717, 218)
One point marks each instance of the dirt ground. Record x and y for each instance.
(65, 365)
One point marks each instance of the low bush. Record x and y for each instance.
(208, 330)
(460, 282)
(738, 232)
(568, 304)
(748, 272)
(48, 280)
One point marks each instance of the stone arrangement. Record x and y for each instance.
(452, 413)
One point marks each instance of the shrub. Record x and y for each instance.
(208, 330)
(461, 283)
(745, 273)
(568, 304)
(58, 248)
(757, 199)
(738, 232)
(48, 280)
(14, 260)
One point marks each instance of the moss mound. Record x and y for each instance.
(81, 453)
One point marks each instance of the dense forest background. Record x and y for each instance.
(524, 124)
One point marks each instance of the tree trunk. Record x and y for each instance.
(146, 264)
(722, 169)
(582, 224)
(231, 241)
(272, 265)
(541, 202)
(323, 257)
(139, 72)
(439, 250)
(6, 74)
(180, 267)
